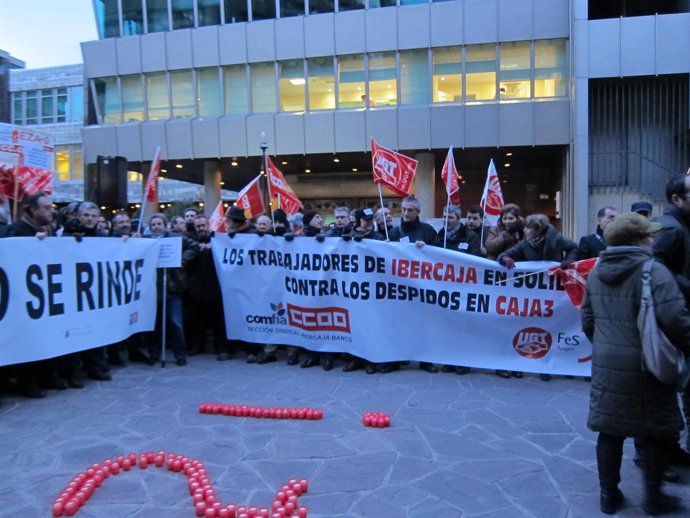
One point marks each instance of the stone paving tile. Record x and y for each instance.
(459, 446)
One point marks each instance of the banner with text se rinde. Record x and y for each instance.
(59, 296)
(391, 301)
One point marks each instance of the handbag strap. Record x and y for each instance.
(646, 276)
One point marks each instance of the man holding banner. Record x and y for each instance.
(412, 230)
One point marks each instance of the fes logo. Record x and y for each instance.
(279, 309)
(532, 342)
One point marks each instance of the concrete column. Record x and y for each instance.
(575, 196)
(425, 182)
(211, 186)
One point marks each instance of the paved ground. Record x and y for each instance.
(474, 445)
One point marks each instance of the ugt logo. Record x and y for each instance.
(532, 342)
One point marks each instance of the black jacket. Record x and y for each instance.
(554, 247)
(672, 246)
(591, 246)
(461, 239)
(415, 231)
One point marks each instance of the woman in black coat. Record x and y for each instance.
(625, 400)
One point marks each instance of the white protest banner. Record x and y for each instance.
(391, 301)
(58, 296)
(33, 164)
(170, 252)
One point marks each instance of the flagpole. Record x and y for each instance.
(16, 192)
(445, 221)
(264, 146)
(385, 227)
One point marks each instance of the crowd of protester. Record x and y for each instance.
(195, 321)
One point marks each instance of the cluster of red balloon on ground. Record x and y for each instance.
(376, 419)
(206, 504)
(259, 412)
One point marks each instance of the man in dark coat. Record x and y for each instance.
(672, 248)
(590, 246)
(412, 230)
(627, 401)
(475, 222)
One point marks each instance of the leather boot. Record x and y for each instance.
(609, 457)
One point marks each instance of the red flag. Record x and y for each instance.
(217, 220)
(392, 169)
(449, 174)
(279, 188)
(250, 200)
(152, 181)
(492, 198)
(574, 279)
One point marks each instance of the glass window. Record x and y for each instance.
(351, 86)
(75, 101)
(515, 73)
(62, 105)
(480, 72)
(291, 85)
(107, 18)
(321, 83)
(381, 3)
(412, 2)
(263, 9)
(209, 12)
(47, 116)
(77, 162)
(321, 6)
(350, 5)
(108, 100)
(132, 98)
(62, 162)
(291, 8)
(157, 15)
(17, 108)
(414, 76)
(235, 11)
(447, 75)
(209, 97)
(263, 87)
(132, 17)
(157, 96)
(182, 14)
(31, 107)
(182, 88)
(550, 68)
(383, 85)
(236, 91)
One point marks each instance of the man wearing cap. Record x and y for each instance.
(364, 229)
(642, 207)
(672, 248)
(593, 244)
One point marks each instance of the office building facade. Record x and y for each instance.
(548, 89)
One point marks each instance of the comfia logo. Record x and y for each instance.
(277, 318)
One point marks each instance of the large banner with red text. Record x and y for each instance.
(393, 301)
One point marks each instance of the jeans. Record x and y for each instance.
(174, 330)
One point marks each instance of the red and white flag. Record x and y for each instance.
(217, 220)
(492, 198)
(392, 169)
(449, 174)
(250, 199)
(279, 189)
(151, 192)
(574, 279)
